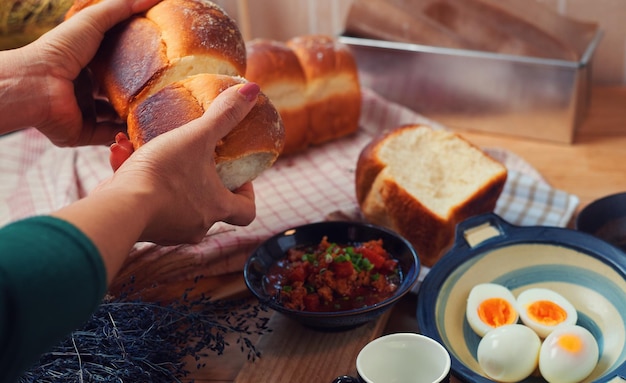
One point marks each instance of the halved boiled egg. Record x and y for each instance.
(509, 353)
(490, 305)
(569, 354)
(543, 310)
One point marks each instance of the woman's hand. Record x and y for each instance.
(178, 169)
(168, 191)
(51, 90)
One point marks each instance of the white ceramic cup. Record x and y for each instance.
(403, 358)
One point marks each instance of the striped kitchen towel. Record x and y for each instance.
(318, 184)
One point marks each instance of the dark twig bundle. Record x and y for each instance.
(136, 341)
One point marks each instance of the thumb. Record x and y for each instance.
(228, 109)
(86, 24)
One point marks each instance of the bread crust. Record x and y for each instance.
(121, 82)
(333, 88)
(199, 27)
(385, 201)
(171, 40)
(250, 148)
(276, 69)
(313, 81)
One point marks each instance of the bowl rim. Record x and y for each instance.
(460, 252)
(408, 281)
(582, 222)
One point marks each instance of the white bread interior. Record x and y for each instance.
(421, 182)
(444, 173)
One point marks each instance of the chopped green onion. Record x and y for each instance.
(366, 264)
(341, 258)
(375, 277)
(287, 289)
(328, 258)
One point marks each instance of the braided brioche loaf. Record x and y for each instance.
(313, 82)
(162, 68)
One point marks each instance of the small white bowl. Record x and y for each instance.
(403, 357)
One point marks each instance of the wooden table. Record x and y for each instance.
(592, 167)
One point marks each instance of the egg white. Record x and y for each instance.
(560, 363)
(479, 294)
(528, 297)
(509, 353)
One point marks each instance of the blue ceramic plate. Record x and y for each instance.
(587, 271)
(275, 248)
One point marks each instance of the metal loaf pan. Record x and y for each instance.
(528, 97)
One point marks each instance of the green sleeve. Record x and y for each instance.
(52, 278)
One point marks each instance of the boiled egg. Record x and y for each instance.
(509, 353)
(543, 310)
(569, 354)
(490, 305)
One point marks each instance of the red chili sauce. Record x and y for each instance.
(333, 277)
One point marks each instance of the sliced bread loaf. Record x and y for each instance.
(421, 182)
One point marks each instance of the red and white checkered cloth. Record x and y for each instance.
(38, 178)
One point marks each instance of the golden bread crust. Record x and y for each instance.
(313, 81)
(333, 87)
(276, 69)
(197, 27)
(172, 40)
(120, 81)
(260, 135)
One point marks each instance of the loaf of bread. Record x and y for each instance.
(154, 70)
(276, 69)
(312, 77)
(250, 148)
(421, 182)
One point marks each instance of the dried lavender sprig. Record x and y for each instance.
(136, 341)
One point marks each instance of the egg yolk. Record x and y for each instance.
(546, 312)
(570, 343)
(496, 312)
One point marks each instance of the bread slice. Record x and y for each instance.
(421, 182)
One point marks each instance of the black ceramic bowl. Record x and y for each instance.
(275, 248)
(605, 218)
(587, 271)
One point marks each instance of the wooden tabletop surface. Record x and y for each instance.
(592, 167)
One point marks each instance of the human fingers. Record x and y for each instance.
(100, 122)
(243, 210)
(227, 110)
(106, 126)
(82, 33)
(120, 151)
